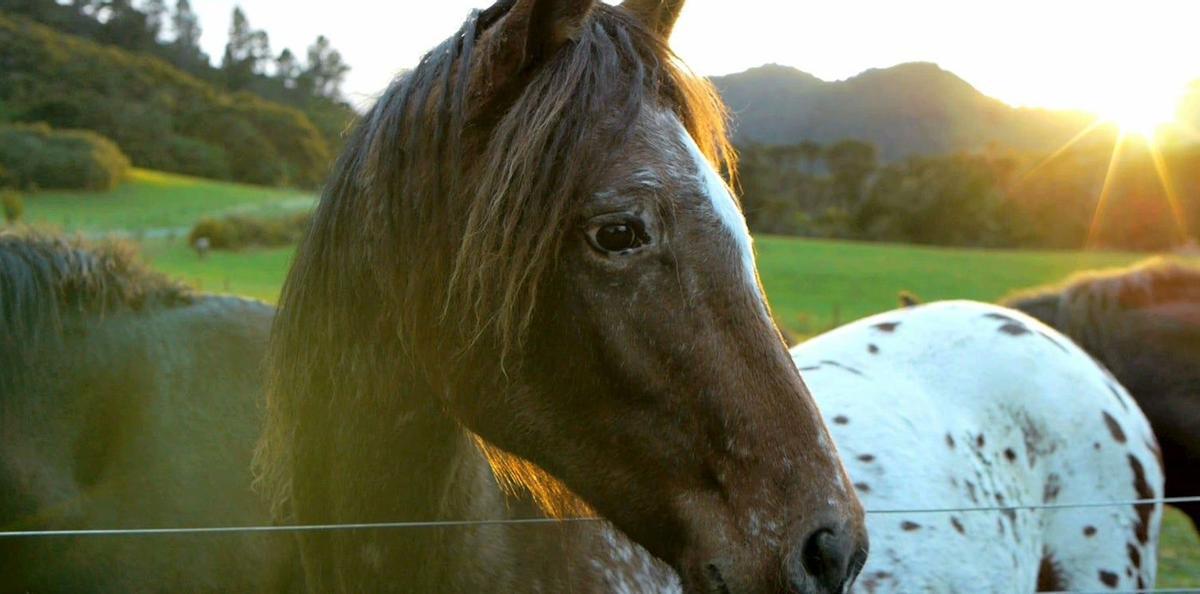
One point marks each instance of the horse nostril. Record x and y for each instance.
(857, 562)
(826, 564)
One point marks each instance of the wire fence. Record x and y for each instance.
(535, 521)
(1142, 591)
(286, 528)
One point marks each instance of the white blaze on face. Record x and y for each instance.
(724, 207)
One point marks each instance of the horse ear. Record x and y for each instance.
(528, 34)
(1043, 307)
(657, 15)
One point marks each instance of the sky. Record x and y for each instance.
(1122, 59)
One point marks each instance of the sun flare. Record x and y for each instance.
(1140, 112)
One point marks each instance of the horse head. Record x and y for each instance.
(539, 232)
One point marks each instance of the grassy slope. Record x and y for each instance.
(152, 200)
(813, 285)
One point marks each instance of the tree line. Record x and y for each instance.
(1139, 198)
(173, 34)
(135, 73)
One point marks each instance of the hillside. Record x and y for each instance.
(161, 117)
(906, 110)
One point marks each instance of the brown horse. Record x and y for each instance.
(127, 401)
(1143, 323)
(526, 257)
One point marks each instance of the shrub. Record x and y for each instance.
(160, 116)
(38, 156)
(194, 157)
(252, 158)
(12, 204)
(238, 231)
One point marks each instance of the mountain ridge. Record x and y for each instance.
(909, 109)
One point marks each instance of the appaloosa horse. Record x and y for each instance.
(1143, 323)
(526, 256)
(127, 401)
(959, 405)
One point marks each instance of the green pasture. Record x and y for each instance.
(156, 204)
(257, 273)
(812, 285)
(817, 285)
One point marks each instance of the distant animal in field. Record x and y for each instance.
(966, 405)
(202, 245)
(1143, 324)
(127, 401)
(527, 270)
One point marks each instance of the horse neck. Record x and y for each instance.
(410, 465)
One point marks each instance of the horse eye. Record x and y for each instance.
(617, 237)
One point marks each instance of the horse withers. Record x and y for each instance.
(968, 409)
(1142, 323)
(527, 272)
(127, 401)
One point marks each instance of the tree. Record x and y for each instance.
(90, 7)
(811, 153)
(126, 26)
(326, 70)
(850, 162)
(156, 16)
(246, 52)
(184, 48)
(287, 68)
(952, 200)
(186, 27)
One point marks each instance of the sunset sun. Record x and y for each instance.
(1138, 112)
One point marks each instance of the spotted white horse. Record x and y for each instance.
(966, 405)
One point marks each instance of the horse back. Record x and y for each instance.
(163, 409)
(961, 405)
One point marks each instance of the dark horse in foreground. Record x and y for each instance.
(1143, 323)
(526, 272)
(127, 401)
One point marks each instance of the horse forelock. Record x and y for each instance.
(441, 221)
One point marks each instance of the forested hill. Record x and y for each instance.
(158, 115)
(914, 109)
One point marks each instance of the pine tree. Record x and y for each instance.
(287, 68)
(326, 70)
(186, 25)
(246, 53)
(156, 16)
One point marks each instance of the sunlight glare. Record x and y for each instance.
(1105, 190)
(1141, 108)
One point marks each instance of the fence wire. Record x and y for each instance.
(532, 521)
(285, 528)
(1142, 591)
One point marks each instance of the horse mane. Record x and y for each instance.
(49, 283)
(442, 218)
(1086, 302)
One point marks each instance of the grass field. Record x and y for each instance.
(257, 273)
(151, 201)
(812, 285)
